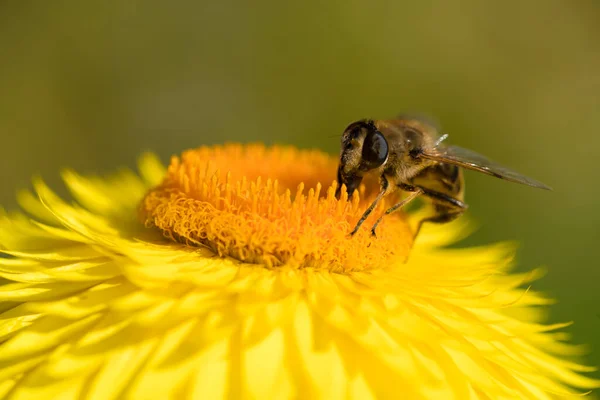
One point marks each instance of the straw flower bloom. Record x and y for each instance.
(230, 274)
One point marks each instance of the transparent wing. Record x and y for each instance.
(471, 160)
(423, 118)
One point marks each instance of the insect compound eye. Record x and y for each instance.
(375, 150)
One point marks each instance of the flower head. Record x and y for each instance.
(241, 281)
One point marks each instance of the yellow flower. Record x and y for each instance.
(242, 282)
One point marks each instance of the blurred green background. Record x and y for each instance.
(91, 84)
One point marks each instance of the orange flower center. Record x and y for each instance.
(273, 206)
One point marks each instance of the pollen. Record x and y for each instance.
(273, 206)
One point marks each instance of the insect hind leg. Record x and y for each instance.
(447, 209)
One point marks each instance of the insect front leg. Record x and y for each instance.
(447, 209)
(384, 187)
(416, 192)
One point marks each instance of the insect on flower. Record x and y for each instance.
(408, 154)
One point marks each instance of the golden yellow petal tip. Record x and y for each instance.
(268, 205)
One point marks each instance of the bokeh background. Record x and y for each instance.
(92, 84)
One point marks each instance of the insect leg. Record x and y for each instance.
(447, 209)
(416, 193)
(368, 211)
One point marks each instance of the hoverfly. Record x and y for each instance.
(409, 155)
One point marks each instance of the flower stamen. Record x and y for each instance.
(252, 203)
